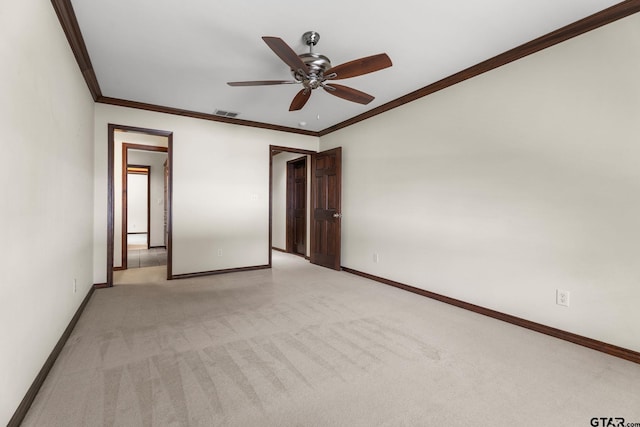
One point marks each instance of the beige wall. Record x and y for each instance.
(220, 189)
(501, 189)
(46, 188)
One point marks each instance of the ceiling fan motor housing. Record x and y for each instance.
(316, 66)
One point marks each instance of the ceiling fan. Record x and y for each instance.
(313, 70)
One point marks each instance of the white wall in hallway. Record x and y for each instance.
(46, 187)
(508, 186)
(137, 185)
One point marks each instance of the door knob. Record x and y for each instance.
(337, 215)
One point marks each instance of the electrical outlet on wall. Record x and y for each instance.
(219, 252)
(75, 286)
(376, 257)
(562, 297)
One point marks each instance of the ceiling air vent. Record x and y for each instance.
(226, 113)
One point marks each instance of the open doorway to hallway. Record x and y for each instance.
(290, 200)
(145, 206)
(139, 207)
(319, 187)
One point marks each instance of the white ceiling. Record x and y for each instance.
(180, 54)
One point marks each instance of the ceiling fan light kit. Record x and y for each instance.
(313, 71)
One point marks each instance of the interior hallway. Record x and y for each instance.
(304, 345)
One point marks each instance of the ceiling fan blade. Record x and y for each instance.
(358, 67)
(348, 93)
(280, 48)
(262, 83)
(300, 100)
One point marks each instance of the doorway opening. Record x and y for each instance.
(297, 206)
(138, 207)
(144, 212)
(145, 153)
(290, 201)
(305, 204)
(143, 204)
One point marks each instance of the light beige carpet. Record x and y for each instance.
(301, 345)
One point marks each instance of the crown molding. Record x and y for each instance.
(69, 23)
(203, 116)
(597, 20)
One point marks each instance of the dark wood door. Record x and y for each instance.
(297, 206)
(326, 185)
